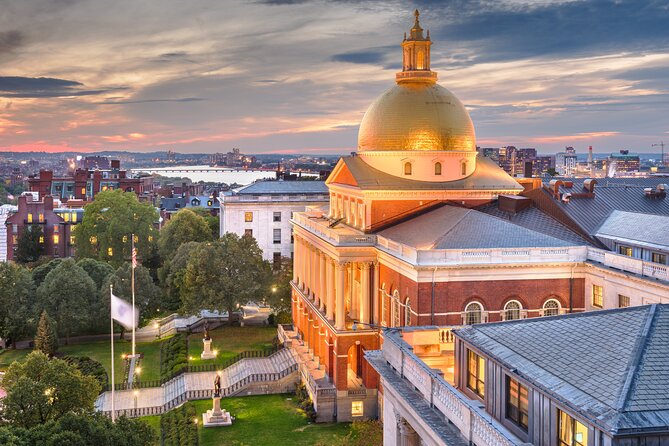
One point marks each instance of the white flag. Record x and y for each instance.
(121, 312)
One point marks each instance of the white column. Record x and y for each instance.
(330, 290)
(312, 275)
(376, 303)
(323, 282)
(340, 317)
(296, 261)
(408, 436)
(364, 293)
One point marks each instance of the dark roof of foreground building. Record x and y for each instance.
(610, 366)
(642, 229)
(274, 187)
(451, 227)
(487, 175)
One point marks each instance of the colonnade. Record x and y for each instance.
(349, 208)
(331, 284)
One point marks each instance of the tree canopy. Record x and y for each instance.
(96, 270)
(46, 339)
(224, 273)
(66, 293)
(184, 226)
(147, 294)
(40, 389)
(30, 245)
(16, 301)
(105, 231)
(172, 274)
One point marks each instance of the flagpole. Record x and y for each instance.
(132, 286)
(111, 291)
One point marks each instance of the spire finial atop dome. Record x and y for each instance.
(416, 56)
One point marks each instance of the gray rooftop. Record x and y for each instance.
(451, 227)
(642, 229)
(487, 175)
(611, 367)
(274, 187)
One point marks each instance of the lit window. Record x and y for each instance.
(71, 240)
(277, 236)
(357, 408)
(597, 296)
(277, 216)
(41, 218)
(83, 191)
(136, 238)
(125, 239)
(104, 188)
(74, 217)
(248, 232)
(407, 312)
(656, 257)
(110, 252)
(516, 402)
(625, 250)
(55, 229)
(150, 238)
(56, 239)
(41, 239)
(248, 217)
(551, 307)
(407, 168)
(15, 239)
(30, 218)
(570, 431)
(66, 217)
(437, 168)
(476, 373)
(512, 310)
(93, 240)
(623, 301)
(473, 313)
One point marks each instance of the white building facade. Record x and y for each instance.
(264, 210)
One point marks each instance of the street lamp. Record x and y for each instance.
(135, 394)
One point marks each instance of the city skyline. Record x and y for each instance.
(286, 76)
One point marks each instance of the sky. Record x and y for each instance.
(296, 76)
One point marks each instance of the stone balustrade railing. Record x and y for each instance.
(468, 415)
(321, 227)
(629, 264)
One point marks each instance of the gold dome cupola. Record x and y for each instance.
(416, 56)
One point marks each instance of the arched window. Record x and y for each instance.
(463, 167)
(396, 309)
(512, 310)
(420, 61)
(407, 168)
(437, 168)
(473, 313)
(407, 312)
(551, 307)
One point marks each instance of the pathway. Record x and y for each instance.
(156, 400)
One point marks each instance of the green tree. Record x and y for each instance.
(147, 294)
(212, 221)
(66, 293)
(184, 226)
(16, 302)
(105, 231)
(552, 172)
(96, 270)
(30, 245)
(172, 275)
(46, 339)
(279, 297)
(40, 272)
(225, 273)
(40, 389)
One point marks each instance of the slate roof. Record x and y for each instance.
(451, 227)
(173, 204)
(487, 175)
(203, 201)
(536, 220)
(283, 188)
(611, 367)
(642, 229)
(622, 194)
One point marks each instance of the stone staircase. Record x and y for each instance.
(252, 376)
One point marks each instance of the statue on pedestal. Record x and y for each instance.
(206, 330)
(216, 416)
(217, 385)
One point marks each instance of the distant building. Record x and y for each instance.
(507, 159)
(489, 152)
(566, 162)
(233, 159)
(541, 165)
(624, 161)
(84, 184)
(264, 210)
(95, 162)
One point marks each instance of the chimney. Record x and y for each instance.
(589, 185)
(48, 203)
(115, 164)
(590, 157)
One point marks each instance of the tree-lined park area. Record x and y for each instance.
(56, 330)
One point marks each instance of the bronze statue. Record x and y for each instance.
(206, 330)
(217, 385)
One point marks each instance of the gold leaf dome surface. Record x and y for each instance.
(417, 117)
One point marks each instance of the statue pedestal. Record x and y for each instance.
(216, 416)
(207, 353)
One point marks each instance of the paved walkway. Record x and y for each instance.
(202, 382)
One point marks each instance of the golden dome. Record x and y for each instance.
(420, 116)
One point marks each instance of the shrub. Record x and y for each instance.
(90, 367)
(174, 356)
(304, 401)
(177, 426)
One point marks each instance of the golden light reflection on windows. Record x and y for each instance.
(476, 373)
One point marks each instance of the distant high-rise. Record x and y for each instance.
(590, 158)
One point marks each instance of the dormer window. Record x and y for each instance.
(407, 168)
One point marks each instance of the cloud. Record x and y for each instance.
(149, 101)
(369, 56)
(10, 40)
(42, 87)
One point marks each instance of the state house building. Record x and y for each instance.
(416, 233)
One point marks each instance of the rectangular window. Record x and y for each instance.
(83, 191)
(15, 239)
(597, 296)
(516, 403)
(71, 240)
(248, 232)
(656, 257)
(570, 431)
(623, 301)
(277, 236)
(30, 218)
(248, 217)
(476, 373)
(625, 250)
(276, 259)
(357, 408)
(15, 229)
(55, 229)
(56, 239)
(41, 239)
(41, 218)
(66, 217)
(74, 217)
(277, 216)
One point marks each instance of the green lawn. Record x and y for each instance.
(264, 420)
(8, 356)
(229, 341)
